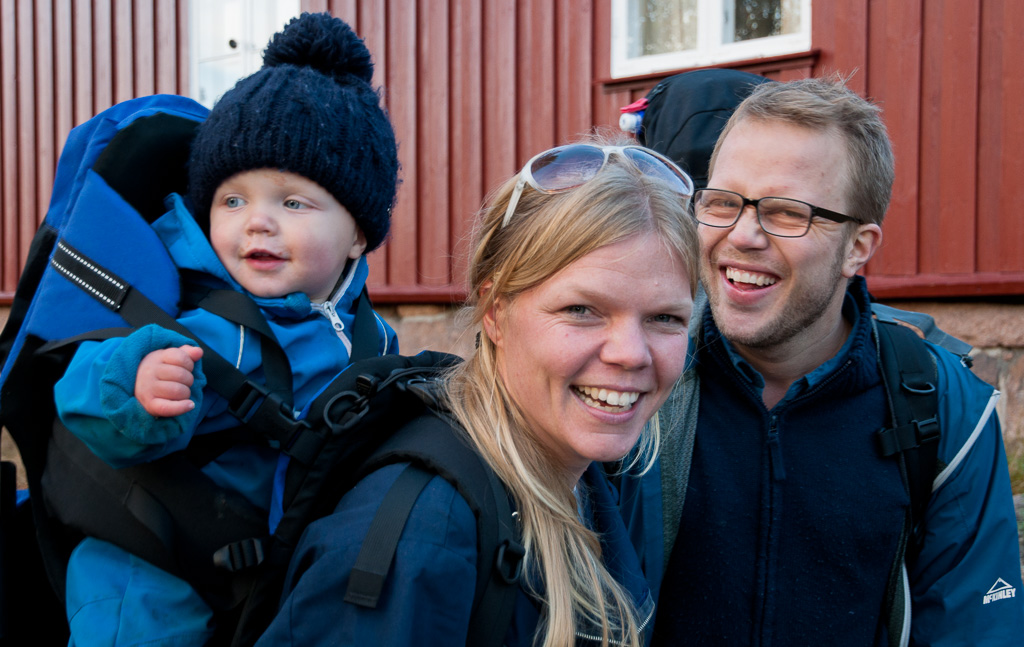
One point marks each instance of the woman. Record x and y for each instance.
(581, 284)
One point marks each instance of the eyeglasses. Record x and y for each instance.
(781, 217)
(568, 167)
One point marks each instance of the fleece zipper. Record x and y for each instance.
(327, 310)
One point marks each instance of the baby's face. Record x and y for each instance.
(278, 232)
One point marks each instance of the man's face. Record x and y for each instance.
(768, 292)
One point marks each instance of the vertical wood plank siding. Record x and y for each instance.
(476, 87)
(61, 62)
(1001, 139)
(895, 39)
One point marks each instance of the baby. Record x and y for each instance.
(291, 180)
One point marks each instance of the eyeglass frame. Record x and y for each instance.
(526, 173)
(816, 212)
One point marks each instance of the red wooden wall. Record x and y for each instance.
(475, 87)
(62, 61)
(946, 73)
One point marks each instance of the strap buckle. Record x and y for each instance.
(248, 400)
(913, 434)
(268, 414)
(509, 561)
(239, 555)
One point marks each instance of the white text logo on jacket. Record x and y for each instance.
(999, 591)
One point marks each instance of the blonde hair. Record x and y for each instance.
(546, 234)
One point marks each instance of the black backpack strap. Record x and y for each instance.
(365, 337)
(367, 578)
(431, 443)
(365, 404)
(242, 310)
(910, 377)
(262, 410)
(166, 511)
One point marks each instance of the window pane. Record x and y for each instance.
(653, 35)
(661, 26)
(748, 19)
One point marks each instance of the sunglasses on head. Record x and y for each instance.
(567, 167)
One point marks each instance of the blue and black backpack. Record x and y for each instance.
(96, 269)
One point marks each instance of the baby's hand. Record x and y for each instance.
(164, 381)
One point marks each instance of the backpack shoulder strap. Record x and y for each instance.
(434, 448)
(365, 336)
(239, 308)
(370, 571)
(165, 511)
(910, 377)
(261, 408)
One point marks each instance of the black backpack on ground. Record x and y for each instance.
(95, 260)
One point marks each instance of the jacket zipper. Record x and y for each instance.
(778, 474)
(639, 629)
(775, 449)
(327, 309)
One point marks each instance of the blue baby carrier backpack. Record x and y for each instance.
(96, 269)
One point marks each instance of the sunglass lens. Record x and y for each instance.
(651, 165)
(567, 167)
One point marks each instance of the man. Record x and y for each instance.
(785, 526)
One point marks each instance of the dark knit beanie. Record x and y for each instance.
(309, 110)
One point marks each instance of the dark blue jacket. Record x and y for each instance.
(429, 591)
(791, 518)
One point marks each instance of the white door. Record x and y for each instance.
(228, 38)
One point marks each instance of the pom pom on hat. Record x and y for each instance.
(309, 110)
(325, 44)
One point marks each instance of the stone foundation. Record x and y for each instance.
(995, 330)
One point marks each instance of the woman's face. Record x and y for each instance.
(590, 354)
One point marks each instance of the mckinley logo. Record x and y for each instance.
(999, 591)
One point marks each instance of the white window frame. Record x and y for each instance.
(710, 50)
